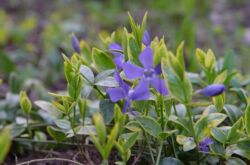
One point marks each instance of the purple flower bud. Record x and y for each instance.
(75, 43)
(146, 38)
(212, 90)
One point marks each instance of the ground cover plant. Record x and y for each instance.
(132, 97)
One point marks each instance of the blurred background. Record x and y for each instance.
(33, 33)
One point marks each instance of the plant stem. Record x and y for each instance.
(49, 159)
(159, 153)
(172, 140)
(150, 150)
(193, 132)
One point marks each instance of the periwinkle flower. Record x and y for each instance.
(149, 73)
(146, 38)
(75, 43)
(212, 90)
(117, 51)
(204, 144)
(124, 91)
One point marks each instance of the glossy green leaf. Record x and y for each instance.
(87, 74)
(187, 142)
(233, 112)
(5, 142)
(107, 110)
(179, 89)
(130, 141)
(101, 60)
(247, 120)
(219, 135)
(204, 124)
(63, 124)
(218, 102)
(150, 125)
(56, 134)
(100, 127)
(235, 132)
(234, 161)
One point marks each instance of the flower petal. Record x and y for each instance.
(116, 49)
(122, 84)
(146, 38)
(116, 94)
(132, 71)
(158, 70)
(159, 85)
(141, 91)
(119, 61)
(126, 106)
(212, 90)
(146, 58)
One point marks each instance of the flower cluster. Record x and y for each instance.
(147, 75)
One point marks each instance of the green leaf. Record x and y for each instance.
(176, 65)
(170, 161)
(150, 125)
(179, 54)
(218, 102)
(5, 143)
(107, 82)
(233, 112)
(107, 110)
(56, 134)
(204, 124)
(6, 64)
(219, 135)
(247, 120)
(49, 108)
(104, 74)
(87, 74)
(200, 55)
(217, 148)
(100, 127)
(187, 142)
(111, 140)
(221, 78)
(234, 161)
(210, 60)
(130, 141)
(63, 124)
(101, 60)
(244, 144)
(25, 103)
(82, 105)
(179, 89)
(134, 50)
(235, 132)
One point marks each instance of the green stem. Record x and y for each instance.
(150, 149)
(193, 132)
(159, 154)
(173, 145)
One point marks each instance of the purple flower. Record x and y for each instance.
(140, 92)
(149, 73)
(146, 38)
(212, 90)
(116, 50)
(204, 144)
(75, 43)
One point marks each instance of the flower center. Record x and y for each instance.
(149, 73)
(130, 93)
